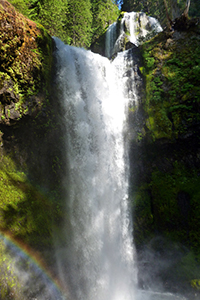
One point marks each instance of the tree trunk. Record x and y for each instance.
(169, 21)
(186, 11)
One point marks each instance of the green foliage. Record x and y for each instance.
(9, 284)
(195, 283)
(25, 63)
(186, 270)
(52, 15)
(78, 22)
(104, 13)
(21, 5)
(24, 210)
(149, 61)
(157, 8)
(157, 206)
(171, 69)
(194, 7)
(75, 22)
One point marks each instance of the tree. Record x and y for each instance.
(104, 12)
(154, 8)
(157, 8)
(52, 15)
(195, 8)
(21, 6)
(78, 23)
(49, 13)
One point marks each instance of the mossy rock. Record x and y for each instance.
(167, 182)
(25, 211)
(25, 58)
(169, 205)
(172, 73)
(99, 45)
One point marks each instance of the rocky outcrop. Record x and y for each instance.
(165, 156)
(28, 130)
(29, 180)
(25, 65)
(170, 131)
(130, 29)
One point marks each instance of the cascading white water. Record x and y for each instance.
(99, 257)
(134, 27)
(95, 250)
(139, 25)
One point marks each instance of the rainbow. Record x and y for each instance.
(21, 250)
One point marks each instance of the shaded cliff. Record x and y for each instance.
(165, 158)
(169, 136)
(28, 130)
(30, 148)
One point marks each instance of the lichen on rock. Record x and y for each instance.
(25, 60)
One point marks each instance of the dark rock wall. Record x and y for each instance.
(31, 165)
(171, 129)
(30, 152)
(165, 161)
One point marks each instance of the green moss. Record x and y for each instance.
(143, 217)
(10, 284)
(24, 210)
(171, 69)
(158, 206)
(195, 283)
(26, 54)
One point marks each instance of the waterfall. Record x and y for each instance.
(139, 26)
(135, 27)
(111, 35)
(94, 248)
(98, 259)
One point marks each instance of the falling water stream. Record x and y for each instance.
(135, 27)
(97, 258)
(100, 253)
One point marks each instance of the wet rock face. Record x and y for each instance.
(25, 52)
(165, 159)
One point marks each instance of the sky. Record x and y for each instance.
(119, 3)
